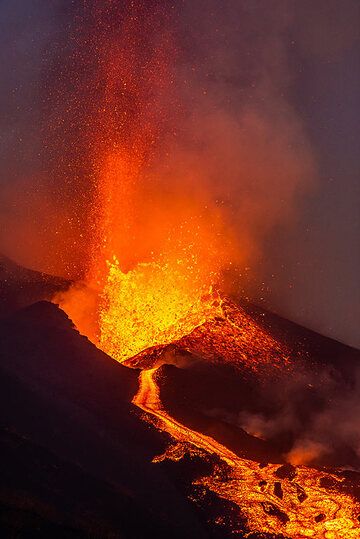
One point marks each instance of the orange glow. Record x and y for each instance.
(150, 305)
(163, 253)
(306, 453)
(154, 268)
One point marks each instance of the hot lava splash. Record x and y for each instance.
(150, 305)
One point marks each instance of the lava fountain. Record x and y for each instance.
(160, 241)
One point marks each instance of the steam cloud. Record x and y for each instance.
(316, 413)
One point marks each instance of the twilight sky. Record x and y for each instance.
(317, 260)
(309, 263)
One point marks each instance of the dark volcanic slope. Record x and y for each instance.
(307, 343)
(20, 286)
(312, 399)
(76, 455)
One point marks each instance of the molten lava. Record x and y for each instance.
(150, 305)
(297, 507)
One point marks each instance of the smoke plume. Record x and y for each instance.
(316, 413)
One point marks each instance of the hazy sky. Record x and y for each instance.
(317, 261)
(310, 264)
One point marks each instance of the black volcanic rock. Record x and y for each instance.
(44, 496)
(40, 344)
(66, 406)
(287, 471)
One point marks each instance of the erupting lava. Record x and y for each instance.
(150, 305)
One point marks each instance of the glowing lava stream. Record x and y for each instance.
(304, 508)
(148, 399)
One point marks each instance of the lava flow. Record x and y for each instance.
(295, 508)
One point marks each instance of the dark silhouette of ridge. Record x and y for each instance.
(67, 421)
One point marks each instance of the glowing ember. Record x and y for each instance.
(233, 336)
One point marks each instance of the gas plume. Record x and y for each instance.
(315, 413)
